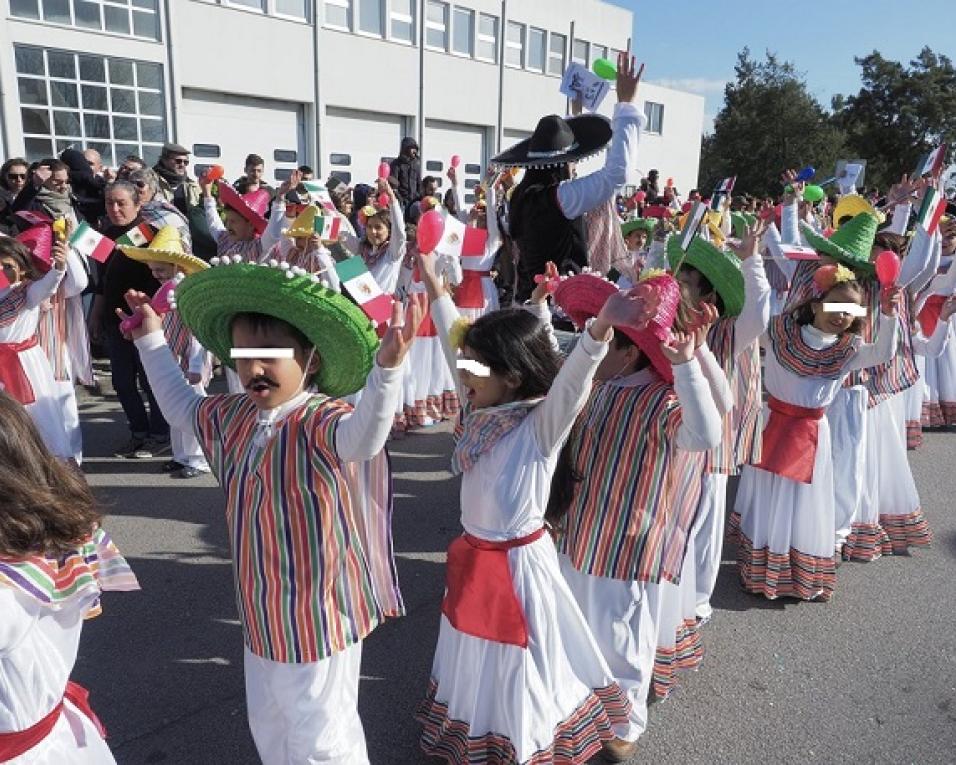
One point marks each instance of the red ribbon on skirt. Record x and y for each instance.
(790, 440)
(480, 598)
(16, 743)
(470, 293)
(13, 377)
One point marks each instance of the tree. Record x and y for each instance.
(769, 122)
(899, 114)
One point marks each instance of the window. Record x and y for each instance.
(434, 166)
(255, 5)
(463, 32)
(340, 159)
(537, 52)
(487, 37)
(342, 175)
(514, 45)
(297, 8)
(556, 54)
(113, 105)
(141, 19)
(206, 150)
(579, 52)
(598, 51)
(436, 25)
(655, 116)
(472, 168)
(338, 14)
(403, 20)
(284, 155)
(371, 17)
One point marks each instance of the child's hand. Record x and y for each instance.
(889, 299)
(138, 302)
(206, 186)
(789, 178)
(59, 255)
(452, 175)
(679, 349)
(401, 333)
(545, 283)
(194, 378)
(628, 78)
(750, 244)
(294, 179)
(948, 309)
(428, 270)
(703, 319)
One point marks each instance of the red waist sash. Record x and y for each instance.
(20, 742)
(790, 440)
(480, 598)
(470, 293)
(13, 378)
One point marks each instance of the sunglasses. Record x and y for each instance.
(180, 161)
(16, 176)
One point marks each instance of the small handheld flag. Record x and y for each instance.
(91, 243)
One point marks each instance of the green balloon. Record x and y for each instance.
(813, 193)
(605, 69)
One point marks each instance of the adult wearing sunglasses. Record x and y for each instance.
(181, 191)
(13, 177)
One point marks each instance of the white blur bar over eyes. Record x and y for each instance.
(851, 309)
(475, 368)
(262, 353)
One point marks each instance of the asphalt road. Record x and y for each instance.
(868, 678)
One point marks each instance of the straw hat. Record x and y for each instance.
(850, 245)
(166, 247)
(721, 267)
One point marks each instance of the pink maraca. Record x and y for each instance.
(887, 268)
(384, 171)
(159, 303)
(431, 228)
(455, 160)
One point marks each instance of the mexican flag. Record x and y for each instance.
(327, 226)
(930, 164)
(91, 243)
(460, 240)
(364, 290)
(319, 193)
(138, 236)
(931, 210)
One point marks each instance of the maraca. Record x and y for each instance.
(604, 69)
(812, 193)
(887, 265)
(431, 228)
(384, 171)
(455, 160)
(159, 303)
(806, 174)
(213, 173)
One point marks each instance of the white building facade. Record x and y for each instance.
(334, 84)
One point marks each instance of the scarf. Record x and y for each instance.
(171, 177)
(483, 428)
(54, 203)
(798, 357)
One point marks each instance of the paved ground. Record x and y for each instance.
(868, 678)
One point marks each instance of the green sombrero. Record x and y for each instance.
(721, 267)
(341, 333)
(850, 245)
(635, 224)
(740, 221)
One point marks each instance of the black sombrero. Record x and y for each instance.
(558, 141)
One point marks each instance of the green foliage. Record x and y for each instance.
(769, 123)
(900, 113)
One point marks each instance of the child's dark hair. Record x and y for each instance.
(705, 285)
(262, 322)
(11, 248)
(804, 312)
(46, 507)
(515, 344)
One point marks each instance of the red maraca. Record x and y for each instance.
(455, 160)
(383, 200)
(887, 265)
(384, 171)
(159, 303)
(213, 174)
(431, 228)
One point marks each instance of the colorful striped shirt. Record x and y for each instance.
(720, 340)
(178, 338)
(795, 355)
(900, 372)
(12, 303)
(620, 510)
(748, 401)
(687, 469)
(305, 580)
(51, 334)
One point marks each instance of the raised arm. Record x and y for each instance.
(44, 287)
(717, 382)
(700, 416)
(76, 278)
(921, 261)
(755, 314)
(880, 352)
(177, 399)
(273, 232)
(216, 226)
(396, 241)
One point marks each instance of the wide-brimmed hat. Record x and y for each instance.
(231, 199)
(39, 240)
(165, 247)
(852, 205)
(739, 222)
(342, 335)
(639, 224)
(558, 141)
(850, 245)
(720, 267)
(303, 225)
(583, 296)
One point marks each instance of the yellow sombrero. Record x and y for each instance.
(852, 205)
(166, 247)
(303, 225)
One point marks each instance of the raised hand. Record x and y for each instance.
(428, 270)
(890, 299)
(401, 332)
(59, 255)
(750, 244)
(679, 349)
(948, 309)
(701, 322)
(545, 283)
(622, 309)
(901, 192)
(628, 77)
(294, 179)
(138, 302)
(789, 179)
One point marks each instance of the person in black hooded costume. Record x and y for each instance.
(406, 173)
(546, 216)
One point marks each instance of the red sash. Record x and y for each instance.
(929, 316)
(480, 598)
(20, 742)
(13, 378)
(470, 293)
(790, 440)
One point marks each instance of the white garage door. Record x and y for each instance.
(356, 142)
(222, 129)
(445, 139)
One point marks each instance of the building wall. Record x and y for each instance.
(368, 91)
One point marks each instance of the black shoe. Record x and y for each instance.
(152, 447)
(187, 472)
(131, 448)
(171, 467)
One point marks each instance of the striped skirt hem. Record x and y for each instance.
(948, 412)
(914, 434)
(733, 528)
(687, 653)
(932, 415)
(867, 541)
(436, 408)
(907, 531)
(785, 575)
(578, 738)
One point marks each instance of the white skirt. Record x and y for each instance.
(490, 292)
(785, 545)
(46, 410)
(847, 420)
(428, 388)
(73, 740)
(940, 392)
(678, 639)
(554, 701)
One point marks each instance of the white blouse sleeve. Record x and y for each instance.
(177, 399)
(880, 352)
(755, 315)
(700, 420)
(362, 434)
(716, 379)
(44, 287)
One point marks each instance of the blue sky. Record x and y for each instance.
(692, 45)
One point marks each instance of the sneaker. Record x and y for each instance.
(187, 472)
(152, 447)
(171, 466)
(130, 449)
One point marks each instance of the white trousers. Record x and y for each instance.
(708, 533)
(303, 714)
(185, 445)
(623, 617)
